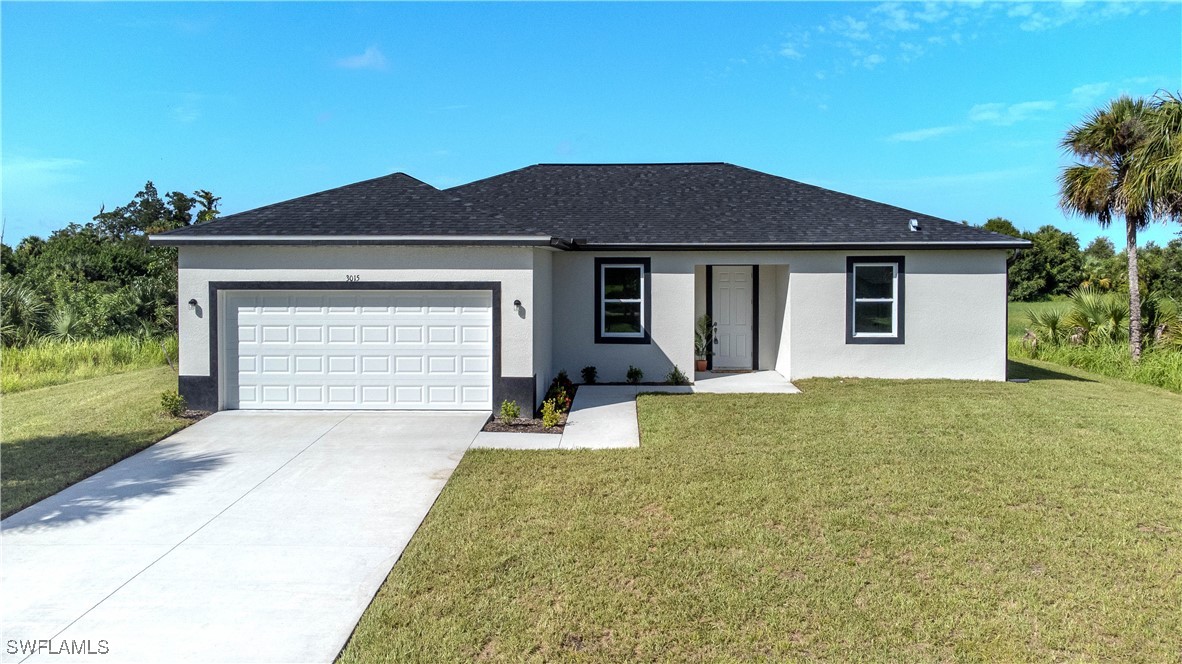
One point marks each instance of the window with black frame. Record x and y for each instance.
(874, 300)
(622, 300)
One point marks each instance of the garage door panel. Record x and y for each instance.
(381, 350)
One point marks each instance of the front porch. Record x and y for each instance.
(746, 304)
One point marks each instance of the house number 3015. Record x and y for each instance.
(352, 277)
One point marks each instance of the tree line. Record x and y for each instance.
(101, 278)
(1055, 265)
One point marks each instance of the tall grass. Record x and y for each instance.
(1161, 367)
(49, 362)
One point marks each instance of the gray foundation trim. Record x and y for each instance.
(202, 390)
(523, 390)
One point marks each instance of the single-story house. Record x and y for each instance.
(392, 294)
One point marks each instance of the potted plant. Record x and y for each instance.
(703, 342)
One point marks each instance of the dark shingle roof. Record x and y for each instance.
(392, 205)
(706, 203)
(600, 205)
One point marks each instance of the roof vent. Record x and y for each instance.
(914, 225)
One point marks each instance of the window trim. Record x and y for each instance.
(645, 265)
(899, 300)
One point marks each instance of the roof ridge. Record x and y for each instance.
(633, 163)
(326, 191)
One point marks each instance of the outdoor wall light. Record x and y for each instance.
(517, 305)
(192, 304)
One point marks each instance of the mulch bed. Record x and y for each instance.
(195, 415)
(525, 425)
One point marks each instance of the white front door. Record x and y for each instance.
(387, 350)
(732, 316)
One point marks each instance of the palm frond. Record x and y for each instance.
(1089, 191)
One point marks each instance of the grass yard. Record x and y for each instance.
(55, 436)
(860, 520)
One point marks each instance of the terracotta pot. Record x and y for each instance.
(699, 365)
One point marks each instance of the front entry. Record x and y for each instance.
(732, 303)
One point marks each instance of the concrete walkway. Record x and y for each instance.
(604, 416)
(248, 537)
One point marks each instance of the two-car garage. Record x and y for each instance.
(357, 349)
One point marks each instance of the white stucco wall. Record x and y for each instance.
(678, 298)
(954, 308)
(512, 266)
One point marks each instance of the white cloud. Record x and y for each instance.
(850, 28)
(188, 109)
(897, 18)
(917, 135)
(372, 58)
(790, 51)
(871, 61)
(35, 172)
(1008, 114)
(1086, 95)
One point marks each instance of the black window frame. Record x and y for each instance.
(646, 304)
(900, 299)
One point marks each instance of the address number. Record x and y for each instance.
(352, 277)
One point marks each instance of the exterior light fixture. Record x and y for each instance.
(192, 304)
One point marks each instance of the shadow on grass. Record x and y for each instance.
(1018, 369)
(38, 467)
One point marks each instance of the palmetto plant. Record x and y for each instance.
(65, 324)
(1098, 317)
(22, 313)
(1049, 325)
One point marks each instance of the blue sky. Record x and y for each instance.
(951, 109)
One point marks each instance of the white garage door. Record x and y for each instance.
(359, 350)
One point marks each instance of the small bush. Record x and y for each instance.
(550, 414)
(676, 377)
(510, 411)
(590, 375)
(561, 391)
(173, 403)
(635, 374)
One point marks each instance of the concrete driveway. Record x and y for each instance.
(248, 537)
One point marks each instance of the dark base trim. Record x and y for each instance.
(522, 389)
(200, 392)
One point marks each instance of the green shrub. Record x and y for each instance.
(510, 411)
(634, 375)
(590, 375)
(173, 403)
(676, 377)
(550, 414)
(562, 391)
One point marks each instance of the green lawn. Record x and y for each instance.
(55, 436)
(859, 521)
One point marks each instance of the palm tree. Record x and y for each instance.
(1104, 183)
(1157, 160)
